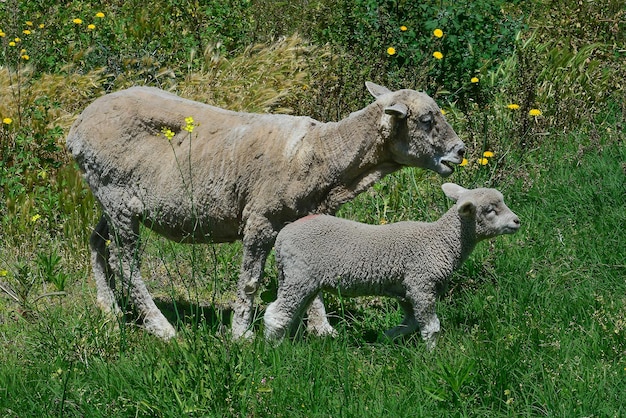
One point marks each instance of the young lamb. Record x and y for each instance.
(239, 176)
(406, 260)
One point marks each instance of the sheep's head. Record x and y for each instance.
(416, 131)
(486, 207)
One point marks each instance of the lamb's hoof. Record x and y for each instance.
(325, 330)
(247, 335)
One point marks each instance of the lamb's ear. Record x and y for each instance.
(376, 90)
(467, 209)
(399, 109)
(453, 191)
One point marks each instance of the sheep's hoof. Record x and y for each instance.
(157, 327)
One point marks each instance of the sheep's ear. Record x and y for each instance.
(453, 191)
(376, 90)
(467, 209)
(399, 109)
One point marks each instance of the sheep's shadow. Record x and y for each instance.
(183, 313)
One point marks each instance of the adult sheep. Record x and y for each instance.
(410, 261)
(237, 176)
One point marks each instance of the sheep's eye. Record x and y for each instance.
(427, 120)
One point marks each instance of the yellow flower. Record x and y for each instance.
(444, 112)
(29, 23)
(464, 162)
(25, 57)
(2, 34)
(7, 121)
(4, 273)
(438, 55)
(78, 21)
(11, 43)
(513, 106)
(488, 154)
(41, 26)
(474, 80)
(26, 32)
(483, 161)
(391, 51)
(438, 33)
(91, 26)
(383, 221)
(534, 112)
(168, 133)
(189, 124)
(100, 15)
(17, 40)
(35, 218)
(403, 28)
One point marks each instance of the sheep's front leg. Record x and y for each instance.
(124, 260)
(257, 242)
(103, 276)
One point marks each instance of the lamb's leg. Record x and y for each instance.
(409, 323)
(317, 321)
(124, 259)
(285, 312)
(419, 312)
(257, 241)
(104, 278)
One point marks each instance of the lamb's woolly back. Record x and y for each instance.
(408, 260)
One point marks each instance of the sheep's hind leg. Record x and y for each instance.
(317, 320)
(124, 258)
(103, 276)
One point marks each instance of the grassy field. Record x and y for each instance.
(533, 324)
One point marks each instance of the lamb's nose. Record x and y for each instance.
(516, 221)
(461, 152)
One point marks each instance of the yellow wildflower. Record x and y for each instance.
(464, 162)
(100, 15)
(438, 55)
(2, 34)
(513, 106)
(77, 21)
(26, 32)
(41, 26)
(25, 57)
(4, 273)
(534, 112)
(391, 51)
(168, 133)
(91, 26)
(29, 23)
(438, 33)
(483, 161)
(383, 221)
(488, 154)
(474, 80)
(35, 218)
(403, 28)
(11, 43)
(7, 121)
(444, 112)
(17, 40)
(189, 124)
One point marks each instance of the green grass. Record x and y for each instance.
(534, 324)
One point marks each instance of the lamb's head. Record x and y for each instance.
(416, 131)
(486, 208)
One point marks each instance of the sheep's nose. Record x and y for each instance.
(461, 152)
(516, 221)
